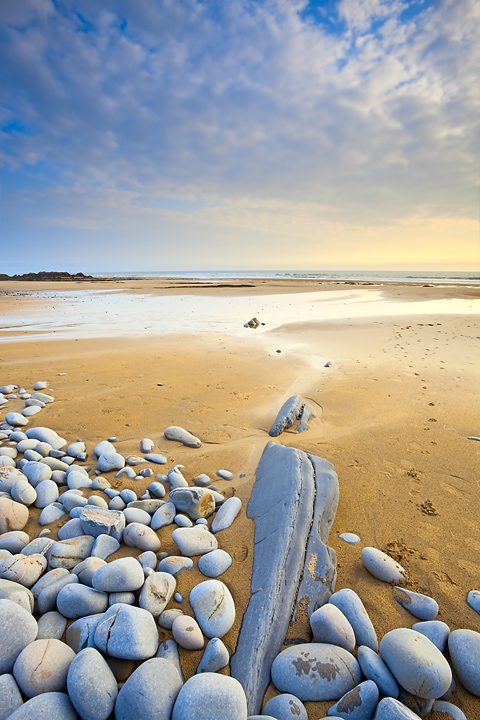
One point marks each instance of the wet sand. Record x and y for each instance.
(394, 413)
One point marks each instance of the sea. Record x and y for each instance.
(341, 275)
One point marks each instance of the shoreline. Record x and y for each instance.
(394, 413)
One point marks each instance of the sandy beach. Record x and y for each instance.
(394, 389)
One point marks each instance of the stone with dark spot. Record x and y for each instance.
(422, 606)
(358, 704)
(315, 671)
(286, 707)
(42, 667)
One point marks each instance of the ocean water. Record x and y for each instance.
(342, 275)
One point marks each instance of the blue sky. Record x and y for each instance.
(239, 134)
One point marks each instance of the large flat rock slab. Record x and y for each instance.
(292, 521)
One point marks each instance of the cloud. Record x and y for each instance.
(369, 118)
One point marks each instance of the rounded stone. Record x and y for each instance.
(10, 697)
(110, 461)
(24, 569)
(215, 657)
(136, 515)
(16, 419)
(51, 705)
(11, 590)
(127, 632)
(167, 617)
(80, 634)
(68, 553)
(126, 598)
(210, 695)
(23, 492)
(163, 516)
(390, 709)
(214, 608)
(76, 600)
(86, 569)
(51, 626)
(150, 692)
(422, 606)
(375, 669)
(448, 711)
(156, 592)
(464, 648)
(42, 667)
(36, 472)
(187, 633)
(124, 574)
(329, 625)
(436, 631)
(194, 501)
(141, 536)
(13, 515)
(359, 703)
(196, 540)
(286, 707)
(17, 630)
(47, 493)
(215, 563)
(382, 566)
(315, 672)
(92, 686)
(415, 662)
(47, 599)
(352, 607)
(175, 564)
(14, 541)
(226, 514)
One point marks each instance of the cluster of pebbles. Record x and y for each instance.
(79, 635)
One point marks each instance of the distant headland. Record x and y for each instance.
(43, 275)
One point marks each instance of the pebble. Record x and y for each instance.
(105, 446)
(148, 505)
(76, 448)
(225, 474)
(473, 599)
(136, 515)
(47, 493)
(166, 618)
(68, 553)
(128, 495)
(77, 480)
(375, 669)
(23, 569)
(71, 499)
(417, 665)
(86, 569)
(97, 521)
(175, 477)
(10, 590)
(284, 707)
(10, 697)
(202, 480)
(51, 626)
(180, 435)
(16, 419)
(210, 695)
(382, 566)
(124, 574)
(10, 452)
(182, 520)
(76, 600)
(329, 625)
(390, 709)
(157, 489)
(464, 649)
(117, 504)
(92, 687)
(14, 541)
(193, 541)
(150, 692)
(168, 650)
(43, 397)
(110, 461)
(47, 599)
(32, 456)
(215, 563)
(194, 501)
(13, 515)
(127, 472)
(178, 597)
(6, 461)
(134, 460)
(18, 628)
(48, 578)
(144, 473)
(156, 458)
(100, 483)
(315, 671)
(43, 434)
(226, 514)
(51, 514)
(41, 545)
(97, 501)
(359, 703)
(156, 592)
(42, 667)
(23, 492)
(215, 657)
(141, 536)
(452, 712)
(436, 631)
(125, 598)
(163, 516)
(352, 607)
(187, 632)
(175, 564)
(349, 538)
(104, 546)
(127, 632)
(80, 634)
(148, 560)
(422, 606)
(51, 705)
(214, 608)
(31, 410)
(54, 463)
(9, 476)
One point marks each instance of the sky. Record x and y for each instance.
(159, 135)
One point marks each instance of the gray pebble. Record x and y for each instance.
(104, 546)
(157, 489)
(163, 516)
(166, 618)
(47, 599)
(352, 607)
(134, 460)
(110, 461)
(227, 514)
(105, 446)
(182, 520)
(24, 569)
(77, 480)
(187, 633)
(97, 501)
(148, 560)
(73, 528)
(141, 536)
(100, 483)
(473, 599)
(86, 569)
(23, 492)
(51, 514)
(128, 495)
(375, 669)
(148, 505)
(390, 709)
(135, 515)
(77, 600)
(193, 541)
(215, 563)
(178, 597)
(97, 521)
(382, 566)
(422, 606)
(452, 712)
(51, 626)
(92, 686)
(127, 632)
(210, 695)
(215, 657)
(464, 649)
(125, 598)
(175, 477)
(312, 683)
(42, 667)
(47, 579)
(124, 574)
(329, 625)
(80, 634)
(436, 631)
(117, 504)
(146, 445)
(10, 590)
(51, 705)
(359, 703)
(168, 650)
(10, 697)
(175, 564)
(150, 692)
(214, 608)
(68, 553)
(156, 458)
(17, 630)
(156, 592)
(202, 480)
(225, 474)
(14, 541)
